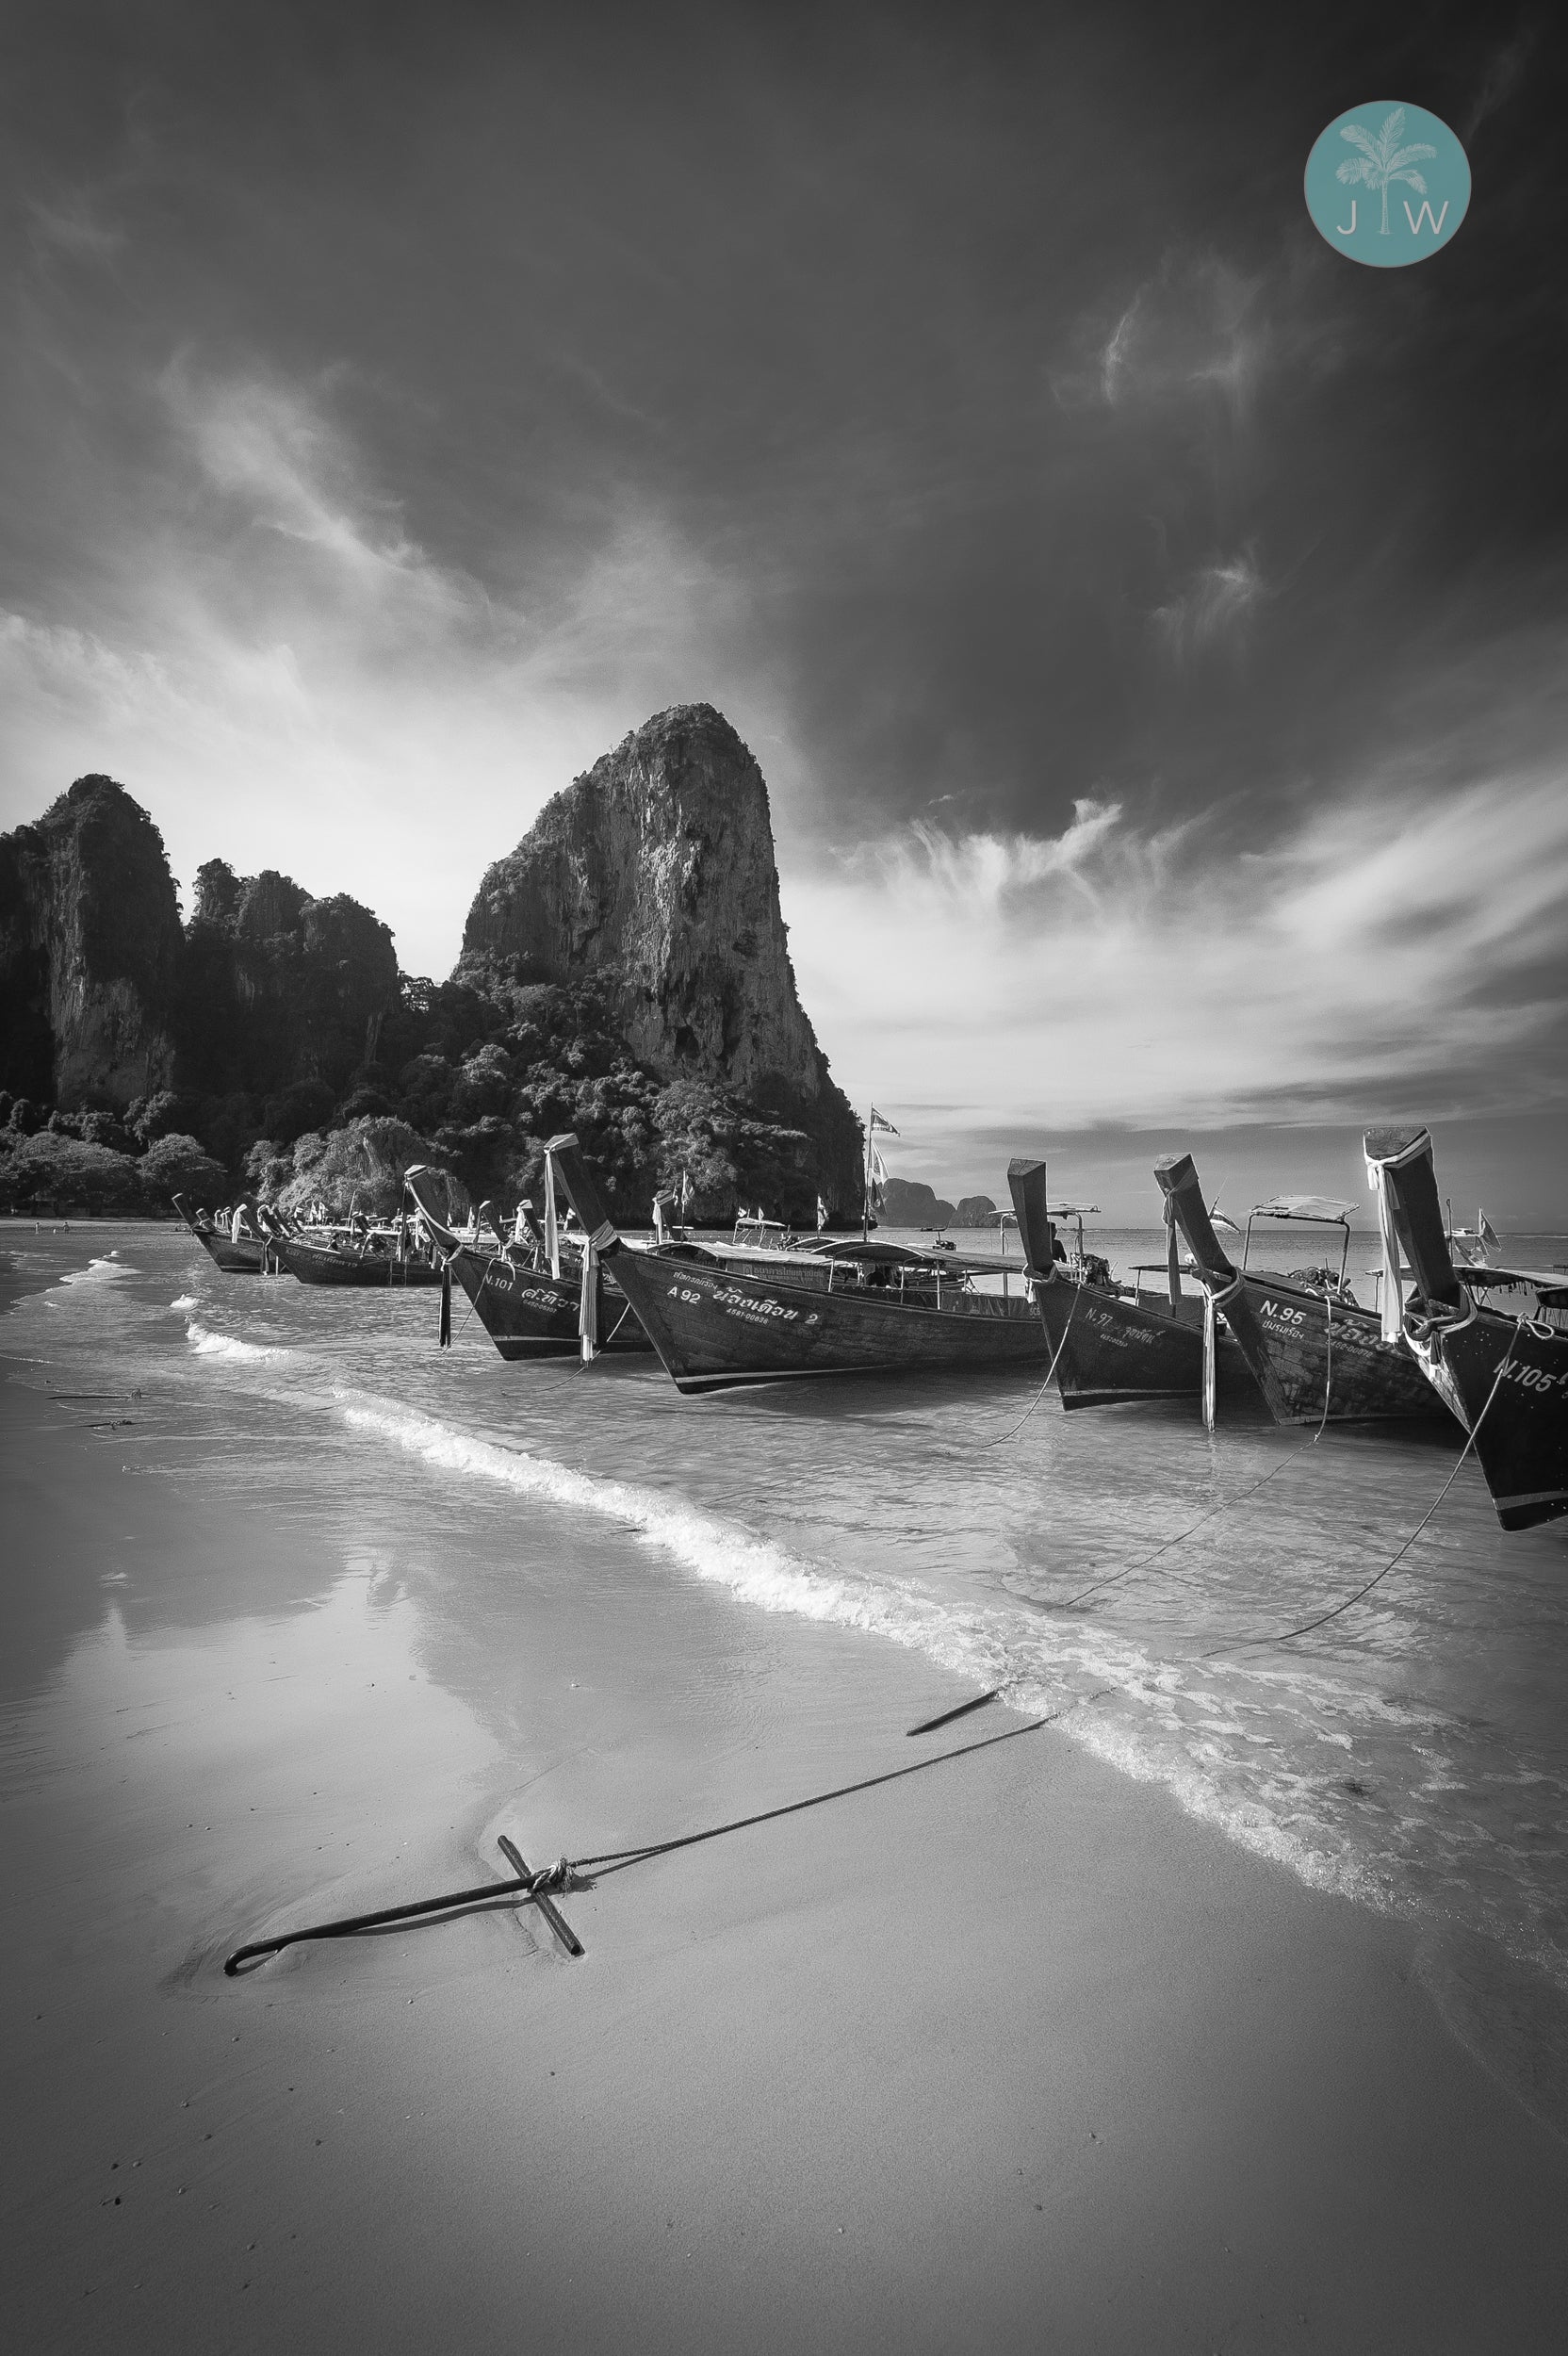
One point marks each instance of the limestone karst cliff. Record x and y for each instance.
(624, 972)
(90, 951)
(655, 870)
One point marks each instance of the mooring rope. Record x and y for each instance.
(1307, 1626)
(559, 1875)
(1012, 1435)
(1098, 1587)
(615, 1860)
(1226, 1505)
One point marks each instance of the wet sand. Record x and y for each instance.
(1007, 2054)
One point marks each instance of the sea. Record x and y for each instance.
(1119, 1569)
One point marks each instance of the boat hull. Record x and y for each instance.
(1110, 1349)
(1309, 1353)
(247, 1257)
(1522, 1443)
(717, 1328)
(319, 1263)
(527, 1313)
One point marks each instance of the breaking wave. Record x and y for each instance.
(756, 1570)
(186, 1300)
(209, 1345)
(96, 1271)
(1064, 1674)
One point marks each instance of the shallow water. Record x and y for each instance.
(1117, 1565)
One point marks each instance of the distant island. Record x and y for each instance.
(908, 1202)
(624, 972)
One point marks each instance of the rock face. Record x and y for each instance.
(90, 951)
(911, 1202)
(656, 870)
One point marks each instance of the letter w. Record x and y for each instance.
(1425, 213)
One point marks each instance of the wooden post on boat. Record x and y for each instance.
(1026, 1183)
(552, 1228)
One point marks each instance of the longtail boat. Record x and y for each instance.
(528, 1311)
(237, 1255)
(1315, 1354)
(384, 1257)
(1505, 1377)
(719, 1318)
(1110, 1343)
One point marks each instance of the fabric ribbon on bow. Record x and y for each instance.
(1213, 1303)
(1391, 1291)
(588, 1301)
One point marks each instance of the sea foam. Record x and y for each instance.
(96, 1271)
(756, 1570)
(209, 1345)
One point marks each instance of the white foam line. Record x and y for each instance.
(758, 1571)
(95, 1272)
(209, 1345)
(753, 1568)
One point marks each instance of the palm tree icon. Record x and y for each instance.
(1382, 159)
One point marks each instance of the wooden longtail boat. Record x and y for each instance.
(720, 1318)
(369, 1261)
(1505, 1377)
(237, 1255)
(1315, 1353)
(1110, 1346)
(527, 1312)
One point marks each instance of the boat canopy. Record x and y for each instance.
(1320, 1207)
(897, 1255)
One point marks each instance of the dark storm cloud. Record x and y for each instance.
(961, 399)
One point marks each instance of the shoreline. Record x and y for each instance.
(1009, 2051)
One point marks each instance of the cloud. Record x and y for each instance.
(1196, 326)
(1391, 945)
(71, 226)
(285, 673)
(1503, 76)
(1212, 609)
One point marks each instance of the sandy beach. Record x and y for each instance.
(1010, 2053)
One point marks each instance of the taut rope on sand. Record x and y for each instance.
(559, 1877)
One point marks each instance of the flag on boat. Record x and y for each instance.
(1488, 1233)
(821, 1214)
(876, 1176)
(879, 1121)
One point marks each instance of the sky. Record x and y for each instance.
(1150, 623)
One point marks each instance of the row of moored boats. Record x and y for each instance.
(1451, 1335)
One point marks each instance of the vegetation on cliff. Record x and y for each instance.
(643, 996)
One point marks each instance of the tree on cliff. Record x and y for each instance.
(624, 972)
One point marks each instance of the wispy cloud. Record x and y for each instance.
(1212, 610)
(70, 224)
(1196, 325)
(273, 643)
(1389, 943)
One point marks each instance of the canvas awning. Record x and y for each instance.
(1313, 1207)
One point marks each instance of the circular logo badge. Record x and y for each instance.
(1387, 184)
